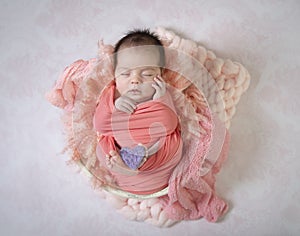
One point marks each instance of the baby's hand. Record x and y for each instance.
(159, 86)
(125, 104)
(116, 164)
(112, 159)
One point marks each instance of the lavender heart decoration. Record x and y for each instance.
(133, 156)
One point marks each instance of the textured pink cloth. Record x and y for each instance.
(153, 121)
(192, 196)
(64, 92)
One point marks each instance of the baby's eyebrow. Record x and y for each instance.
(140, 68)
(123, 68)
(147, 68)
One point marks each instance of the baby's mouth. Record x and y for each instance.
(134, 91)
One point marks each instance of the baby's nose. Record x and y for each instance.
(135, 80)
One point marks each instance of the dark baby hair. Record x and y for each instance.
(140, 37)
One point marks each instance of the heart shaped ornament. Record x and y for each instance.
(133, 157)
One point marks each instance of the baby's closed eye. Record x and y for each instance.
(149, 74)
(125, 73)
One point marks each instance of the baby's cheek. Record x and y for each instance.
(148, 89)
(121, 88)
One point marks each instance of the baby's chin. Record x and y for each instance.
(139, 99)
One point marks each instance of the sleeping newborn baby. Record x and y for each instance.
(138, 130)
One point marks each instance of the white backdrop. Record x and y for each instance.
(41, 195)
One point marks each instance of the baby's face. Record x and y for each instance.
(135, 72)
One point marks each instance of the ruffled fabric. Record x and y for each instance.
(205, 119)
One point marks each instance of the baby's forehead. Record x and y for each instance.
(137, 57)
(148, 50)
(135, 48)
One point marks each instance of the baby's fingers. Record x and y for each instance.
(130, 104)
(160, 82)
(125, 107)
(113, 153)
(125, 104)
(159, 86)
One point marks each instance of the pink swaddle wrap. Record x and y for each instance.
(152, 121)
